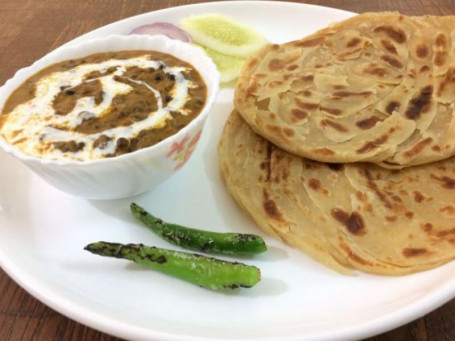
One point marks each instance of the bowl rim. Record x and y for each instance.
(212, 90)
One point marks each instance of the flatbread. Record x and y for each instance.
(347, 216)
(379, 87)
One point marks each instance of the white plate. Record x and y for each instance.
(43, 232)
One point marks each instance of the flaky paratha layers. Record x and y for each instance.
(379, 87)
(352, 216)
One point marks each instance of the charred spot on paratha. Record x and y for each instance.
(392, 106)
(392, 61)
(334, 125)
(418, 148)
(420, 104)
(373, 144)
(422, 51)
(449, 210)
(395, 34)
(367, 123)
(315, 184)
(414, 252)
(445, 181)
(270, 207)
(353, 222)
(418, 197)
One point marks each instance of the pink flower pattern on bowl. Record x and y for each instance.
(181, 151)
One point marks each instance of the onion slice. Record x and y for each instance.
(164, 28)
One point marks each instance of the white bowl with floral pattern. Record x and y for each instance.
(131, 173)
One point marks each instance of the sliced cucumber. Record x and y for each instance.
(223, 34)
(228, 66)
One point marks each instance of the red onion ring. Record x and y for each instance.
(164, 28)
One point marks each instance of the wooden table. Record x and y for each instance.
(31, 28)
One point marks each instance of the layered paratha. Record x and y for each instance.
(347, 216)
(379, 87)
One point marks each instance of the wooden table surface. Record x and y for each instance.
(31, 28)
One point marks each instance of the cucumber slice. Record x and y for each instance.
(223, 34)
(228, 66)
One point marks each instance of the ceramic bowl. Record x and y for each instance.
(132, 173)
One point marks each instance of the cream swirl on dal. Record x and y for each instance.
(35, 126)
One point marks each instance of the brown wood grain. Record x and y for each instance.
(31, 28)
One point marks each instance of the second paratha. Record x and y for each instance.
(352, 216)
